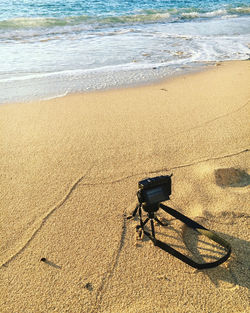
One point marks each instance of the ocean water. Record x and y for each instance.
(49, 48)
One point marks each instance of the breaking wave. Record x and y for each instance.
(144, 16)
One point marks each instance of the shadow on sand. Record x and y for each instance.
(46, 261)
(235, 271)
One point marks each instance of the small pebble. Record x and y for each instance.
(88, 286)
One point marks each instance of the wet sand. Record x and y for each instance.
(69, 173)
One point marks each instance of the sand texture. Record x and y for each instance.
(69, 173)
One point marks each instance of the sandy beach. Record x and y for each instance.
(69, 176)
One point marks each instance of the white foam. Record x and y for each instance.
(214, 13)
(190, 14)
(56, 96)
(195, 14)
(112, 56)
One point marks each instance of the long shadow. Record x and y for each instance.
(237, 269)
(50, 263)
(213, 251)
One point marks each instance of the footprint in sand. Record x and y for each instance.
(231, 177)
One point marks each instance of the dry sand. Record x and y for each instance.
(69, 173)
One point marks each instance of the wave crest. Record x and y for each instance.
(145, 16)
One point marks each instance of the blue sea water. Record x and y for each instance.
(50, 48)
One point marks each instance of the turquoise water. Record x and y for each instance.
(50, 48)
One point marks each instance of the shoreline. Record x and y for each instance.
(160, 82)
(70, 168)
(158, 79)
